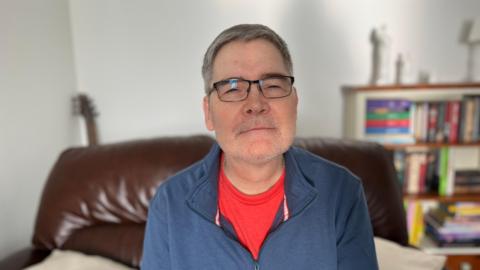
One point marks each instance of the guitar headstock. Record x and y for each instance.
(83, 105)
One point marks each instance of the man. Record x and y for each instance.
(255, 202)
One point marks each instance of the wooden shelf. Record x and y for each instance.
(436, 197)
(428, 145)
(419, 87)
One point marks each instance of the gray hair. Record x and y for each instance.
(242, 32)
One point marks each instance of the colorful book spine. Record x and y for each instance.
(443, 171)
(432, 122)
(454, 121)
(388, 105)
(387, 130)
(387, 116)
(403, 123)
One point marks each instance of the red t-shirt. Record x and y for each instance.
(250, 215)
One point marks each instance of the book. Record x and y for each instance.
(432, 169)
(399, 164)
(467, 175)
(413, 176)
(388, 105)
(443, 171)
(468, 120)
(440, 123)
(454, 121)
(476, 119)
(402, 123)
(432, 122)
(389, 115)
(467, 182)
(390, 138)
(387, 130)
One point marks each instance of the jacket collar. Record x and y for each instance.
(204, 197)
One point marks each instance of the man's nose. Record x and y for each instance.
(256, 103)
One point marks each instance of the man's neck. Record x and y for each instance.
(253, 178)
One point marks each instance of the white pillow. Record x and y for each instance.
(72, 260)
(392, 256)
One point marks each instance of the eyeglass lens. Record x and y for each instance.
(237, 89)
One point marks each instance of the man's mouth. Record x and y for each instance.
(256, 129)
(255, 125)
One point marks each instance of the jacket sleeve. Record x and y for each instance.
(156, 255)
(355, 245)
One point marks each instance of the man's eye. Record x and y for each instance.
(273, 87)
(231, 90)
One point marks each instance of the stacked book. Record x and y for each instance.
(454, 224)
(389, 121)
(466, 182)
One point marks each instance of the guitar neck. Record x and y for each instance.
(92, 132)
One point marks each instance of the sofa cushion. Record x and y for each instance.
(392, 256)
(71, 260)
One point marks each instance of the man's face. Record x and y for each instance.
(257, 129)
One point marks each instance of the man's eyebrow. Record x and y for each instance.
(272, 74)
(263, 76)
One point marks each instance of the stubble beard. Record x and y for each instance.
(257, 152)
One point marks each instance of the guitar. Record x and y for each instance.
(83, 106)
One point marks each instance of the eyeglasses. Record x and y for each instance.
(233, 90)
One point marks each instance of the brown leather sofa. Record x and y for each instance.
(96, 198)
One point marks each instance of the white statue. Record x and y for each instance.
(400, 69)
(380, 55)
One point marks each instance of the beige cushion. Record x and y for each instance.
(72, 260)
(392, 256)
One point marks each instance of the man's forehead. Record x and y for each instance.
(241, 44)
(258, 56)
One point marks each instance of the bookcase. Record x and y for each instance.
(425, 122)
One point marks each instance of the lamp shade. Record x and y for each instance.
(474, 35)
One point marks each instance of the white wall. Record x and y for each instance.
(36, 84)
(140, 60)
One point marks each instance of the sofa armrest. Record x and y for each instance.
(23, 258)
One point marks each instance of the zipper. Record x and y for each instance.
(257, 267)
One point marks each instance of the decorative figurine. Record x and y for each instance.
(380, 55)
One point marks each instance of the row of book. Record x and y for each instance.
(405, 121)
(440, 171)
(454, 224)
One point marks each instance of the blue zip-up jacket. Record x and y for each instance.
(328, 225)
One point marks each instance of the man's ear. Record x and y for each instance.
(207, 113)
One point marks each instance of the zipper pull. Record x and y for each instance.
(257, 267)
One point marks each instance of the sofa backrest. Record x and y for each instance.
(96, 198)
